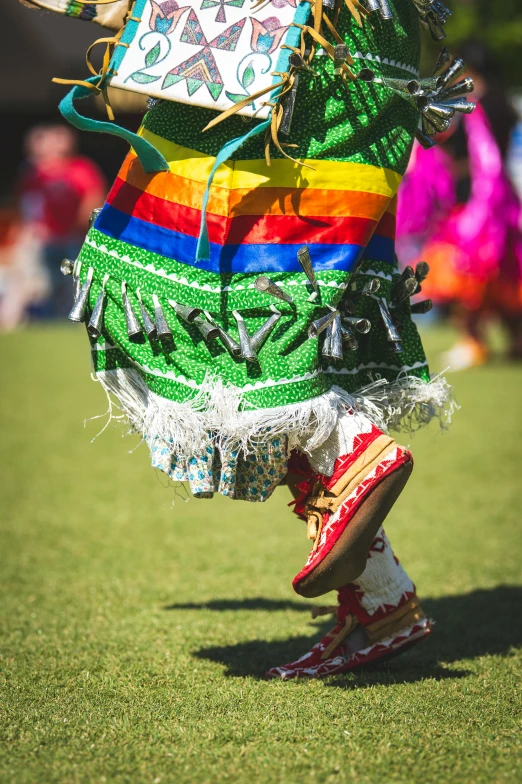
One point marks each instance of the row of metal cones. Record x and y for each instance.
(156, 327)
(433, 14)
(339, 325)
(438, 97)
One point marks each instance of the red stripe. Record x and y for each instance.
(387, 226)
(244, 229)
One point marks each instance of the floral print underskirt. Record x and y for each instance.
(250, 477)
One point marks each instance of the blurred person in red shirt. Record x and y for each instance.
(58, 189)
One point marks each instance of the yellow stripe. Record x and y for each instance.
(263, 201)
(329, 175)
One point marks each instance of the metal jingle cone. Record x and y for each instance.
(405, 286)
(408, 272)
(392, 333)
(464, 87)
(439, 123)
(77, 313)
(289, 105)
(441, 111)
(264, 284)
(134, 327)
(428, 129)
(385, 11)
(414, 87)
(75, 287)
(320, 324)
(186, 312)
(209, 331)
(298, 63)
(229, 342)
(150, 327)
(422, 6)
(76, 279)
(162, 328)
(405, 289)
(366, 75)
(435, 28)
(93, 216)
(340, 55)
(326, 349)
(95, 325)
(428, 84)
(422, 270)
(340, 52)
(441, 11)
(371, 287)
(330, 4)
(362, 325)
(399, 85)
(67, 267)
(247, 352)
(373, 5)
(456, 69)
(148, 323)
(347, 307)
(349, 338)
(336, 341)
(460, 105)
(259, 338)
(422, 307)
(296, 59)
(425, 141)
(303, 257)
(443, 61)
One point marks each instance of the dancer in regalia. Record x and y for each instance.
(244, 306)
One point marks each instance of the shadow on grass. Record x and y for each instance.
(256, 603)
(475, 624)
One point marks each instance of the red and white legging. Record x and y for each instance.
(382, 587)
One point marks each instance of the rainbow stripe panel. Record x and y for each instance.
(257, 216)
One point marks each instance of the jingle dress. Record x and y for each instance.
(218, 422)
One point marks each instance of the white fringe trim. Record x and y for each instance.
(409, 403)
(219, 416)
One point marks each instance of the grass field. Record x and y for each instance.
(135, 633)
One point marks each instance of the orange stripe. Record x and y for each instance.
(259, 201)
(392, 207)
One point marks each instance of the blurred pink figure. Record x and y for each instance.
(467, 223)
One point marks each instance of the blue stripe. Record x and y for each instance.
(270, 257)
(380, 248)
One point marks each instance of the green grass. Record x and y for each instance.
(135, 633)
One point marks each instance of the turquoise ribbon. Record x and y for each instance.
(291, 39)
(151, 159)
(203, 249)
